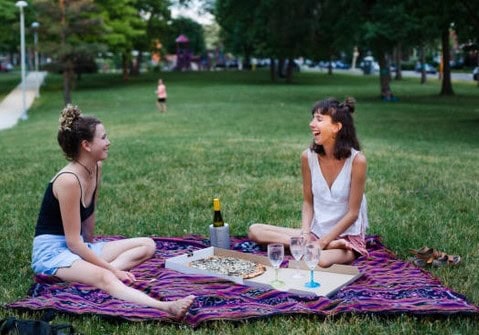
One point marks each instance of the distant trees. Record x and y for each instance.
(73, 31)
(70, 31)
(284, 29)
(280, 29)
(9, 18)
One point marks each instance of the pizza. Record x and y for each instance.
(229, 266)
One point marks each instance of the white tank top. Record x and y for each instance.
(330, 205)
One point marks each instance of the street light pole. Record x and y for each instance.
(35, 26)
(21, 4)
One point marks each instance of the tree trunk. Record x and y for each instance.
(68, 75)
(281, 68)
(385, 78)
(135, 69)
(272, 69)
(125, 60)
(446, 88)
(289, 71)
(422, 60)
(330, 65)
(397, 60)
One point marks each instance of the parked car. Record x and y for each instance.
(428, 67)
(475, 73)
(369, 65)
(6, 66)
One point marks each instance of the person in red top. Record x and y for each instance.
(161, 94)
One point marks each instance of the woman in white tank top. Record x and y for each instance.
(334, 213)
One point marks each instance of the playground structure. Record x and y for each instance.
(183, 53)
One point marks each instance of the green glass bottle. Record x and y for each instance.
(217, 217)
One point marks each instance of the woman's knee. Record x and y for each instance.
(103, 279)
(324, 262)
(254, 231)
(149, 245)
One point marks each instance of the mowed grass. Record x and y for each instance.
(8, 81)
(239, 137)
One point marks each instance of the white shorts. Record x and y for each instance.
(51, 252)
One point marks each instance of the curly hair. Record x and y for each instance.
(339, 112)
(73, 129)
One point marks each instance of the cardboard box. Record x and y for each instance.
(331, 279)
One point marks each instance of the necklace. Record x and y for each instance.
(87, 169)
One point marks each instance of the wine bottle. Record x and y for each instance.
(217, 217)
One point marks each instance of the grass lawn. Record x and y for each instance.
(239, 137)
(8, 81)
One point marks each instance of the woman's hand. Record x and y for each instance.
(323, 244)
(124, 275)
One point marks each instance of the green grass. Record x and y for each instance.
(8, 81)
(239, 137)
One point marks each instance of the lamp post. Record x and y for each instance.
(21, 4)
(35, 26)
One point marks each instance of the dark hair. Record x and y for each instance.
(73, 129)
(339, 112)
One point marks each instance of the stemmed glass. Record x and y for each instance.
(311, 258)
(276, 255)
(296, 246)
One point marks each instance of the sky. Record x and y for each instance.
(193, 13)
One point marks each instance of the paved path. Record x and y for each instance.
(11, 108)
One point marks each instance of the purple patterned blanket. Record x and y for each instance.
(388, 286)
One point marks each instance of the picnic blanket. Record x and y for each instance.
(388, 286)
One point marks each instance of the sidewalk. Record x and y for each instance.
(11, 108)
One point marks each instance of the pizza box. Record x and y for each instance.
(331, 279)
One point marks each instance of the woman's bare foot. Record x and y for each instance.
(339, 244)
(178, 308)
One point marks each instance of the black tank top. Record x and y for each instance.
(50, 218)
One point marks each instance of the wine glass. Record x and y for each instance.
(296, 246)
(276, 255)
(311, 258)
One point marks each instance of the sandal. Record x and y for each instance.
(426, 255)
(447, 260)
(419, 262)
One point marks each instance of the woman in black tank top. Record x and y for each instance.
(63, 245)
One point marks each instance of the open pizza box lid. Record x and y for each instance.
(331, 279)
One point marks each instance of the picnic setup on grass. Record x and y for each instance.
(234, 278)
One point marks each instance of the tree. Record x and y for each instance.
(123, 26)
(156, 15)
(281, 29)
(382, 25)
(9, 14)
(69, 30)
(9, 17)
(238, 24)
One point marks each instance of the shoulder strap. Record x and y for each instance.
(81, 189)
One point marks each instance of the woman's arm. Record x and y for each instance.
(68, 192)
(307, 209)
(358, 185)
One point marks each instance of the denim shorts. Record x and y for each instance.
(51, 252)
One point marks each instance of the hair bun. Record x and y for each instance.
(350, 103)
(68, 116)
